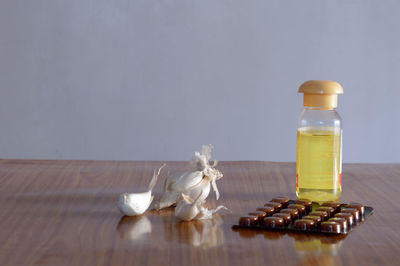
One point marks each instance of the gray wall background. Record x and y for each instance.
(155, 79)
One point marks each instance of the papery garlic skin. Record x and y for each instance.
(132, 204)
(205, 213)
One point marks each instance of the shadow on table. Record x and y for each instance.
(67, 204)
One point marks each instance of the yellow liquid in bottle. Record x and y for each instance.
(319, 165)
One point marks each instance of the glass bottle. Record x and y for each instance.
(319, 143)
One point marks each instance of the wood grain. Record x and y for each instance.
(64, 213)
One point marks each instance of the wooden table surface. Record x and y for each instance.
(64, 213)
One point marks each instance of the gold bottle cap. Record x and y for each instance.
(321, 93)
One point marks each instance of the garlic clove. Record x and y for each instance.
(187, 209)
(185, 180)
(200, 191)
(132, 204)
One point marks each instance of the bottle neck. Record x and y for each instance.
(319, 117)
(324, 101)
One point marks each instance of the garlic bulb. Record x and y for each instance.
(192, 182)
(175, 185)
(132, 204)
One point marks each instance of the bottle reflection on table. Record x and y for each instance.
(314, 249)
(318, 249)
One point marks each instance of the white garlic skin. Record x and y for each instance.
(135, 203)
(205, 213)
